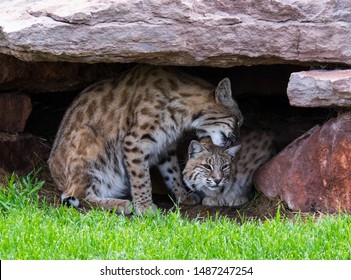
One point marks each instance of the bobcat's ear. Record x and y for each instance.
(232, 151)
(224, 93)
(195, 148)
(224, 96)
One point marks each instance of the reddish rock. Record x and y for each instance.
(313, 172)
(20, 153)
(14, 112)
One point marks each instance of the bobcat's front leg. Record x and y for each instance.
(136, 160)
(171, 174)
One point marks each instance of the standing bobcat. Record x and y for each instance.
(116, 129)
(224, 174)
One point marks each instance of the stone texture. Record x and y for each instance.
(313, 172)
(213, 33)
(51, 76)
(320, 88)
(20, 153)
(14, 112)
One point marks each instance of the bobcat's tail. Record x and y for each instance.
(69, 200)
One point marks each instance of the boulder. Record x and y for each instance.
(213, 33)
(313, 172)
(14, 112)
(320, 88)
(21, 153)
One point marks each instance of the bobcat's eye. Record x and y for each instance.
(207, 166)
(225, 166)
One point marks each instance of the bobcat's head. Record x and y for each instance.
(209, 168)
(223, 119)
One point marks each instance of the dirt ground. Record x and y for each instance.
(259, 208)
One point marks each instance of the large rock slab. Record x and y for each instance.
(320, 88)
(214, 33)
(313, 172)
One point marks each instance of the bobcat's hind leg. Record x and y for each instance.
(121, 206)
(70, 162)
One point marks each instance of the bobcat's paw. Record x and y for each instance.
(239, 201)
(210, 201)
(190, 199)
(142, 209)
(124, 207)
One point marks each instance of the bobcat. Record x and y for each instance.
(115, 130)
(224, 174)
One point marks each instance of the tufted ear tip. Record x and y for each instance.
(225, 83)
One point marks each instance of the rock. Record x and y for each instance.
(51, 76)
(3, 176)
(313, 172)
(20, 153)
(212, 33)
(320, 88)
(14, 112)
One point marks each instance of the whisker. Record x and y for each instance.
(197, 188)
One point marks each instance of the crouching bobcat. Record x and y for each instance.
(116, 129)
(224, 174)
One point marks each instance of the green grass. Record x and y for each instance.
(31, 229)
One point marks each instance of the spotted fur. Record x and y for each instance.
(224, 175)
(117, 129)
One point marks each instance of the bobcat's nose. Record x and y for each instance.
(217, 181)
(215, 185)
